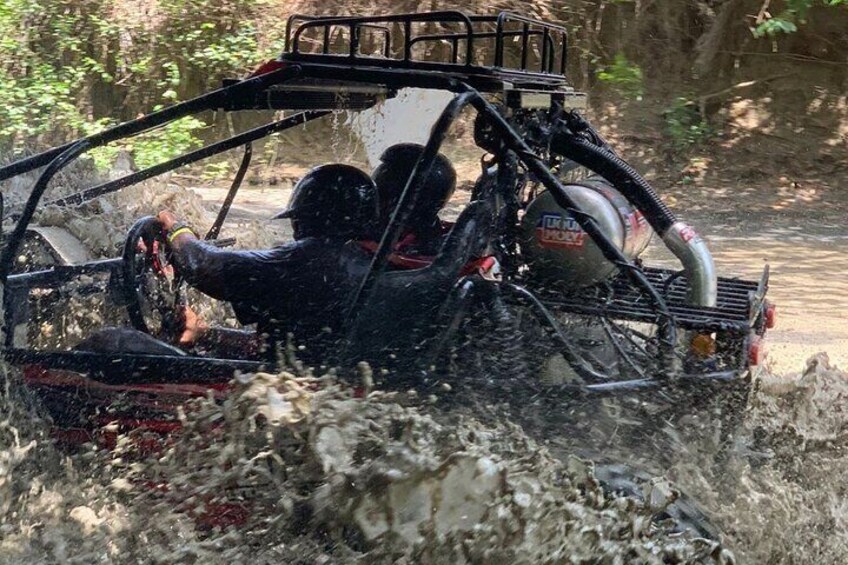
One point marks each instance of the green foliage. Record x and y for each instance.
(166, 143)
(216, 170)
(151, 147)
(73, 67)
(795, 13)
(623, 76)
(684, 126)
(38, 89)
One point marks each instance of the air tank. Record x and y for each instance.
(557, 249)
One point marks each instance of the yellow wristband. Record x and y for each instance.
(178, 232)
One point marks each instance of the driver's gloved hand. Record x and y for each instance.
(168, 220)
(174, 229)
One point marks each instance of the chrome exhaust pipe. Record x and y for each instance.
(691, 249)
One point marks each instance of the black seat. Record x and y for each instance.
(403, 315)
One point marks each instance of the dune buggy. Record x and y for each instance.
(544, 269)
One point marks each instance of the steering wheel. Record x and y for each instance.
(151, 287)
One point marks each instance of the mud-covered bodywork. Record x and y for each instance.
(634, 330)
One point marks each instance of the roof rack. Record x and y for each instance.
(508, 47)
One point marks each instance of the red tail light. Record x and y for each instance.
(770, 315)
(756, 351)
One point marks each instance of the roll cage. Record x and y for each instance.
(508, 59)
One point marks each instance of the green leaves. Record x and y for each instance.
(623, 76)
(787, 21)
(774, 26)
(167, 142)
(71, 67)
(684, 126)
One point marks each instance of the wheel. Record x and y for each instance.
(152, 289)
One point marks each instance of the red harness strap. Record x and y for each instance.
(407, 262)
(267, 67)
(400, 260)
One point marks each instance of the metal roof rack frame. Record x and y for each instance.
(473, 40)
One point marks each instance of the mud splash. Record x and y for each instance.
(394, 121)
(780, 497)
(326, 477)
(331, 478)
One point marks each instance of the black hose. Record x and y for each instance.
(536, 166)
(613, 168)
(626, 180)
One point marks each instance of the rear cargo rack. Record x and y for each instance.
(621, 300)
(508, 47)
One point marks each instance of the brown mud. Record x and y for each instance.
(398, 478)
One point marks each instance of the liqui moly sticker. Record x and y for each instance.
(557, 231)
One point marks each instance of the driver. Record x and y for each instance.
(425, 230)
(300, 288)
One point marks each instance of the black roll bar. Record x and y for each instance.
(525, 34)
(231, 194)
(406, 202)
(189, 158)
(290, 24)
(215, 99)
(504, 17)
(293, 45)
(588, 223)
(298, 24)
(58, 275)
(78, 148)
(10, 250)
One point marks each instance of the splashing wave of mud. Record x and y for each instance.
(780, 498)
(328, 475)
(102, 224)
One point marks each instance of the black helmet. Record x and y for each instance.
(392, 174)
(333, 201)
